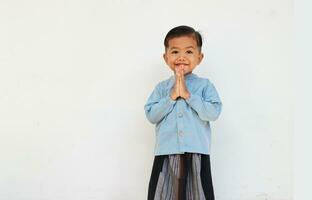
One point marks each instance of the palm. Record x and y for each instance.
(179, 89)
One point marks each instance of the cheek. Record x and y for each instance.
(193, 60)
(172, 60)
(196, 60)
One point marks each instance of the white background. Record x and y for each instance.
(75, 75)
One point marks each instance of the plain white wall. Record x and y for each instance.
(303, 108)
(75, 75)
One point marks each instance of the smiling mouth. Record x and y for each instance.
(180, 65)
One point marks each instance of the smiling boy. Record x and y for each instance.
(182, 107)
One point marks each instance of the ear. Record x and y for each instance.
(200, 58)
(165, 57)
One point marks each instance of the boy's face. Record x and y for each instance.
(183, 53)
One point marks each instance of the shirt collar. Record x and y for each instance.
(190, 76)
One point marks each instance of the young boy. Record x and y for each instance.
(182, 107)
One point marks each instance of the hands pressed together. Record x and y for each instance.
(179, 88)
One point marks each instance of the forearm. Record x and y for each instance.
(156, 111)
(206, 110)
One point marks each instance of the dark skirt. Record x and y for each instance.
(181, 177)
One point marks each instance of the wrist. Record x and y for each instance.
(173, 97)
(186, 95)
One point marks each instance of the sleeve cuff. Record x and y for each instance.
(170, 101)
(193, 99)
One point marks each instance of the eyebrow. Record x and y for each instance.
(185, 47)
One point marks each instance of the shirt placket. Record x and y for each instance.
(180, 126)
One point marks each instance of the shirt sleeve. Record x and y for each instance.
(208, 105)
(158, 106)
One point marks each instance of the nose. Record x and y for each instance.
(181, 57)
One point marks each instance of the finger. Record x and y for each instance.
(179, 86)
(181, 70)
(176, 69)
(182, 77)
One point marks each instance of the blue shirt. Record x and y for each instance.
(183, 125)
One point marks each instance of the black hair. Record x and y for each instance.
(183, 31)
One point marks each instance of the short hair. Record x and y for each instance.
(183, 31)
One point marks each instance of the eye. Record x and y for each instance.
(189, 52)
(174, 52)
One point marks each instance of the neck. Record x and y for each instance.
(188, 74)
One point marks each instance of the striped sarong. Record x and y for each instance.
(181, 177)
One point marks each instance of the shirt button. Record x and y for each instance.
(180, 133)
(180, 115)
